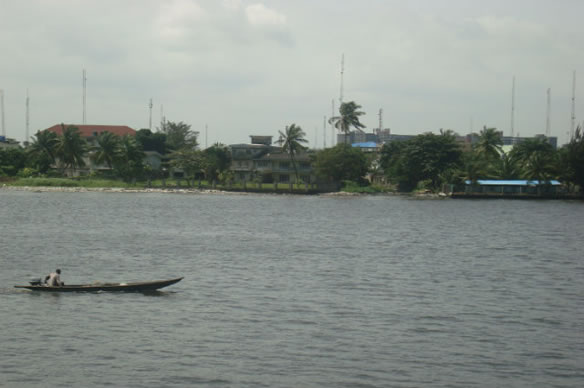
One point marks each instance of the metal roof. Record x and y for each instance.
(493, 182)
(367, 144)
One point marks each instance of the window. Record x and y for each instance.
(262, 163)
(284, 178)
(284, 165)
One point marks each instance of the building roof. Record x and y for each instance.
(88, 130)
(367, 144)
(492, 182)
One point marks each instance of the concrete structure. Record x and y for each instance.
(262, 162)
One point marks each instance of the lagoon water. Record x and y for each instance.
(292, 291)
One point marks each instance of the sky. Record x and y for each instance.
(235, 68)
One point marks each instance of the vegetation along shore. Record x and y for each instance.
(118, 158)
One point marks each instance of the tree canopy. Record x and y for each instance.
(341, 162)
(291, 141)
(426, 157)
(348, 117)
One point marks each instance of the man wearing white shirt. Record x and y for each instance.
(54, 279)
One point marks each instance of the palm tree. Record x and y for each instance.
(291, 141)
(130, 158)
(490, 144)
(108, 149)
(43, 148)
(71, 148)
(348, 117)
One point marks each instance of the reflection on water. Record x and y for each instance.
(284, 291)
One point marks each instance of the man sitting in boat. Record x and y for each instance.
(54, 279)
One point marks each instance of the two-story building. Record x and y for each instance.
(262, 162)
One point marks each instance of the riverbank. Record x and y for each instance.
(174, 190)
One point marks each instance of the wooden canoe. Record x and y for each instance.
(112, 287)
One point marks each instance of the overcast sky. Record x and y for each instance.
(253, 67)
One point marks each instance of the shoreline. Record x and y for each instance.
(63, 189)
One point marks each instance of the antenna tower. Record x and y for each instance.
(513, 108)
(573, 105)
(323, 132)
(2, 112)
(84, 94)
(150, 116)
(380, 120)
(342, 74)
(27, 118)
(549, 111)
(332, 125)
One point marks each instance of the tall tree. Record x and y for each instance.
(216, 161)
(573, 156)
(190, 161)
(537, 159)
(426, 157)
(348, 117)
(341, 163)
(179, 135)
(151, 141)
(129, 163)
(291, 141)
(490, 144)
(71, 148)
(108, 149)
(42, 150)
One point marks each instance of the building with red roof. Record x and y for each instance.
(89, 131)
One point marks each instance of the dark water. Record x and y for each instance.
(283, 291)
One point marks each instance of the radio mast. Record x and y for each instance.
(27, 118)
(342, 75)
(323, 132)
(2, 112)
(150, 116)
(332, 125)
(513, 109)
(380, 120)
(84, 94)
(573, 105)
(549, 110)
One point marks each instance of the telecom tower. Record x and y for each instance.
(2, 112)
(380, 114)
(342, 75)
(323, 133)
(332, 125)
(549, 111)
(573, 105)
(27, 118)
(513, 109)
(84, 94)
(150, 116)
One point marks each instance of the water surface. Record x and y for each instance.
(289, 291)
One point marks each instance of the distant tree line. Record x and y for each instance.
(425, 162)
